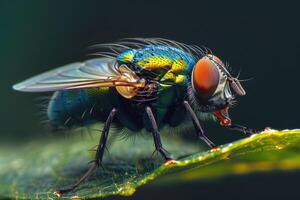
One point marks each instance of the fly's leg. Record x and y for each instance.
(225, 121)
(98, 157)
(156, 135)
(197, 125)
(242, 129)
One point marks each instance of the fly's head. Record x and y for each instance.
(211, 85)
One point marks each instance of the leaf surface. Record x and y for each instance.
(37, 169)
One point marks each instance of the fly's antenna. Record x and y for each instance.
(228, 67)
(239, 73)
(233, 82)
(243, 80)
(247, 79)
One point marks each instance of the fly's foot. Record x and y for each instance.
(251, 131)
(243, 129)
(170, 162)
(59, 193)
(207, 141)
(269, 130)
(214, 149)
(164, 153)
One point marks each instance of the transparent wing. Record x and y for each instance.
(100, 72)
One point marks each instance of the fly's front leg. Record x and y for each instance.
(242, 129)
(156, 135)
(197, 125)
(224, 119)
(98, 157)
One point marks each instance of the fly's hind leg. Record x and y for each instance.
(98, 157)
(197, 125)
(156, 135)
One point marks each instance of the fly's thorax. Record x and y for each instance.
(126, 56)
(160, 62)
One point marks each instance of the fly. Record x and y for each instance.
(140, 83)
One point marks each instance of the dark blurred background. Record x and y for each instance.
(260, 38)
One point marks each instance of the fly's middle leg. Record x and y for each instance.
(156, 135)
(197, 125)
(98, 157)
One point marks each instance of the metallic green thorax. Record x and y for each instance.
(168, 63)
(169, 66)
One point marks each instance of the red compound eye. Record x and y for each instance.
(206, 76)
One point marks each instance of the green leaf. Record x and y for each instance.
(37, 169)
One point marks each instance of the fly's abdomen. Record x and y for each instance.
(78, 107)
